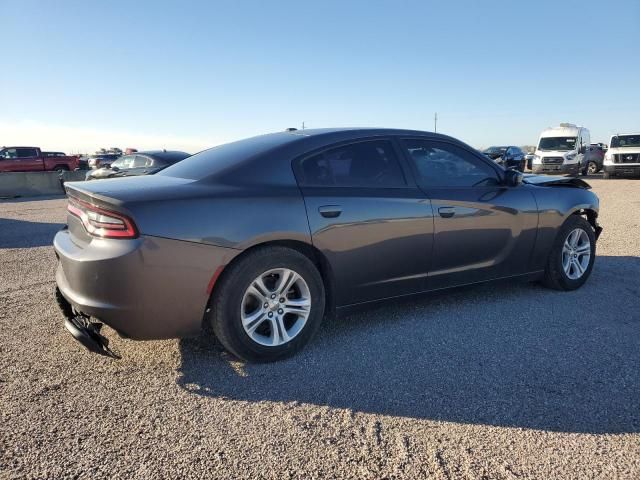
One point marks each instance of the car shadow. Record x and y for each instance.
(23, 234)
(515, 355)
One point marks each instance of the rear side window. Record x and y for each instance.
(364, 164)
(442, 164)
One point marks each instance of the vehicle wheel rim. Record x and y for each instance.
(576, 253)
(592, 168)
(275, 307)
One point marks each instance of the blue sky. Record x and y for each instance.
(84, 74)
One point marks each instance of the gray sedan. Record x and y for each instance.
(262, 238)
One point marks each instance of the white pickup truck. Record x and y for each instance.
(623, 156)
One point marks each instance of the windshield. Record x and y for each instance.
(557, 143)
(621, 141)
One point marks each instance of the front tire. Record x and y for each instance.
(584, 170)
(607, 175)
(593, 168)
(572, 256)
(268, 305)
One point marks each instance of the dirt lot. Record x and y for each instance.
(506, 381)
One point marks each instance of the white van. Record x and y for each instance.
(562, 150)
(623, 156)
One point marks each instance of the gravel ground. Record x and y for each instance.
(503, 381)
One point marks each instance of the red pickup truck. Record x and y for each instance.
(31, 159)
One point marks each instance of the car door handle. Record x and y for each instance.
(330, 211)
(447, 212)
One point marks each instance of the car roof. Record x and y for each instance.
(255, 158)
(325, 136)
(168, 155)
(158, 152)
(562, 131)
(356, 131)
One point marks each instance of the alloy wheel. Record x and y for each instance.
(275, 307)
(576, 253)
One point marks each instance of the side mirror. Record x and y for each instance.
(512, 178)
(115, 169)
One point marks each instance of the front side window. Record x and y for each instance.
(363, 164)
(444, 165)
(9, 153)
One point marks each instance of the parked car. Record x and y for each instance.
(507, 156)
(623, 156)
(562, 150)
(603, 146)
(102, 159)
(32, 159)
(595, 158)
(260, 238)
(141, 163)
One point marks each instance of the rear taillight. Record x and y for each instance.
(100, 222)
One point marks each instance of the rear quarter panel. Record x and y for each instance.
(232, 217)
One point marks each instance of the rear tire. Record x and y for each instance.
(606, 175)
(593, 168)
(568, 267)
(250, 322)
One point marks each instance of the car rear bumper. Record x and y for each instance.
(622, 169)
(147, 288)
(555, 169)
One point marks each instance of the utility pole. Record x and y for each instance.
(435, 123)
(303, 125)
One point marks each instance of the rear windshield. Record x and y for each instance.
(557, 143)
(167, 158)
(621, 141)
(496, 150)
(220, 158)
